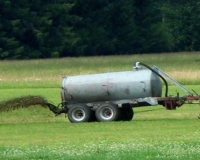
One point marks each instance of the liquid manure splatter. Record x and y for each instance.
(27, 101)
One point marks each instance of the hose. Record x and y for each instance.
(166, 85)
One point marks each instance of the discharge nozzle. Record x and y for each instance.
(137, 66)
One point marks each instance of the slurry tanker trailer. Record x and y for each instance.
(112, 96)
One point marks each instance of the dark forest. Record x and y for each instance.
(71, 28)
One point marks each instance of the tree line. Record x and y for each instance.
(61, 28)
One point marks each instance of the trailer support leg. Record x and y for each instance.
(170, 104)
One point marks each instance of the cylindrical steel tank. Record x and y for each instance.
(111, 86)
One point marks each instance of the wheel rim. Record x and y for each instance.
(106, 113)
(78, 114)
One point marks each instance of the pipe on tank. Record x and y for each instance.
(137, 67)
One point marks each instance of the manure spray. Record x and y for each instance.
(28, 101)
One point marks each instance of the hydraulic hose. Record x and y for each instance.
(166, 85)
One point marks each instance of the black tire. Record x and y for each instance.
(126, 113)
(79, 113)
(107, 112)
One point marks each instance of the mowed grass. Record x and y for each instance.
(137, 139)
(154, 133)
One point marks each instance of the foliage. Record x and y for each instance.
(57, 28)
(34, 29)
(182, 19)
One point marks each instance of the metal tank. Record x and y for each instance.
(111, 96)
(111, 86)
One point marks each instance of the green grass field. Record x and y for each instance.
(155, 133)
(183, 67)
